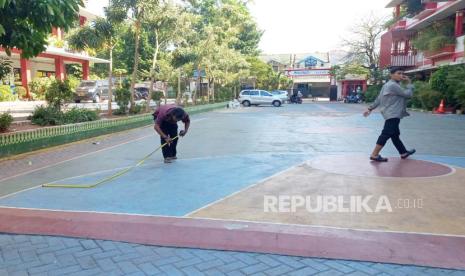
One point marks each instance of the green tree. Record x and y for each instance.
(363, 44)
(167, 25)
(123, 53)
(341, 71)
(135, 11)
(225, 35)
(26, 24)
(101, 34)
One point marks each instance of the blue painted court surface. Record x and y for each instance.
(159, 189)
(175, 189)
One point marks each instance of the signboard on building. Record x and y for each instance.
(315, 72)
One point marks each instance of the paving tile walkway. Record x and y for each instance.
(46, 255)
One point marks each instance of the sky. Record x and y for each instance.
(302, 26)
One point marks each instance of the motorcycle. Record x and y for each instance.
(296, 99)
(353, 99)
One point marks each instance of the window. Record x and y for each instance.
(245, 93)
(17, 74)
(254, 93)
(265, 94)
(43, 74)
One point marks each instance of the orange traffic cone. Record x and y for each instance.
(440, 109)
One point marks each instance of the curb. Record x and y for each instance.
(31, 140)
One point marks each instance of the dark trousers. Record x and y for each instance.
(171, 130)
(391, 131)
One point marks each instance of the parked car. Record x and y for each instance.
(91, 90)
(141, 93)
(282, 94)
(258, 97)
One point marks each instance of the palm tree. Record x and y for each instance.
(101, 34)
(135, 11)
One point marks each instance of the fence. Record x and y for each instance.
(29, 140)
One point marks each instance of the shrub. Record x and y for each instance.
(73, 82)
(6, 94)
(439, 82)
(372, 92)
(78, 115)
(157, 96)
(21, 92)
(39, 86)
(456, 84)
(52, 116)
(5, 121)
(49, 115)
(122, 97)
(138, 108)
(58, 93)
(425, 96)
(437, 36)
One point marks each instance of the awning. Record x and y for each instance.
(63, 53)
(420, 69)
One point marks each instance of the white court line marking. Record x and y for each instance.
(87, 154)
(241, 221)
(144, 165)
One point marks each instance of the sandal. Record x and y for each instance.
(378, 158)
(408, 153)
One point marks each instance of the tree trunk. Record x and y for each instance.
(183, 83)
(152, 70)
(110, 82)
(136, 61)
(198, 89)
(213, 89)
(208, 90)
(179, 86)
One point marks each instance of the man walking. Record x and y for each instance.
(393, 103)
(166, 125)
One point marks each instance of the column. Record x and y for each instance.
(25, 75)
(397, 11)
(82, 20)
(364, 86)
(459, 23)
(396, 47)
(85, 70)
(60, 72)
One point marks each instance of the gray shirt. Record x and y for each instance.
(392, 100)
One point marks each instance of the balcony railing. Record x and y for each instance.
(404, 59)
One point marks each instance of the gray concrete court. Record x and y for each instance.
(303, 129)
(247, 134)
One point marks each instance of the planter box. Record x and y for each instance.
(447, 50)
